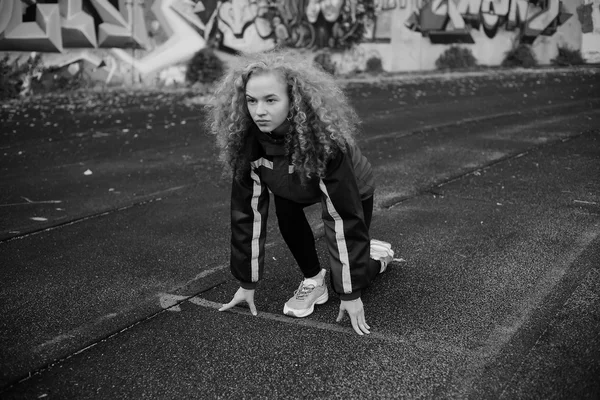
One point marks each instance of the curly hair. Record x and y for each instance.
(322, 121)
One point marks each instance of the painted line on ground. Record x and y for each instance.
(309, 323)
(171, 302)
(442, 344)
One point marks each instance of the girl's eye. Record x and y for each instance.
(271, 101)
(251, 101)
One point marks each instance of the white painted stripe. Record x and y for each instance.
(340, 240)
(262, 162)
(274, 317)
(404, 339)
(255, 245)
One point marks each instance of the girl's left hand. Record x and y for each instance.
(356, 312)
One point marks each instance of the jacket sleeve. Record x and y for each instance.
(249, 212)
(345, 229)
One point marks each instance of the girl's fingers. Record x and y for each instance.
(355, 326)
(364, 328)
(363, 323)
(228, 305)
(340, 316)
(252, 308)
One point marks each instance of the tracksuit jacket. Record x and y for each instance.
(348, 181)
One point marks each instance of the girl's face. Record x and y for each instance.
(267, 100)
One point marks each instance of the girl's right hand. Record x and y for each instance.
(240, 296)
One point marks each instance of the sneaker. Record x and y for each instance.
(382, 252)
(305, 297)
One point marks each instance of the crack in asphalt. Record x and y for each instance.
(432, 189)
(149, 199)
(60, 360)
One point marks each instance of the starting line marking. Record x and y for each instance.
(295, 321)
(172, 303)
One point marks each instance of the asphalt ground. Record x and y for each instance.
(487, 188)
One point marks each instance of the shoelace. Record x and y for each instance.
(304, 290)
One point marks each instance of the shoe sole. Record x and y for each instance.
(381, 243)
(304, 313)
(386, 261)
(381, 249)
(388, 254)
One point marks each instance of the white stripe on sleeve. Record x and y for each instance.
(340, 240)
(256, 226)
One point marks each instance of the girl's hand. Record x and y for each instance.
(356, 312)
(241, 295)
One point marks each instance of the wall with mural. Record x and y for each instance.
(489, 28)
(154, 38)
(589, 16)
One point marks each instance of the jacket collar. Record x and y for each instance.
(272, 145)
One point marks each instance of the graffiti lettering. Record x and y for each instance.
(517, 15)
(124, 27)
(457, 20)
(253, 25)
(236, 15)
(544, 18)
(411, 4)
(248, 25)
(67, 25)
(42, 34)
(491, 10)
(183, 40)
(528, 15)
(180, 28)
(469, 7)
(77, 26)
(6, 11)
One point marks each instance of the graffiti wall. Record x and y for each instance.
(589, 16)
(489, 28)
(62, 24)
(159, 36)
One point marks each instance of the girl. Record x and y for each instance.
(283, 125)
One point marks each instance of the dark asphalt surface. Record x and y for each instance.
(488, 190)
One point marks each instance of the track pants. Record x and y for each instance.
(298, 235)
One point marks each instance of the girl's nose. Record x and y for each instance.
(260, 109)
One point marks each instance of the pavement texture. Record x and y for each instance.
(114, 251)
